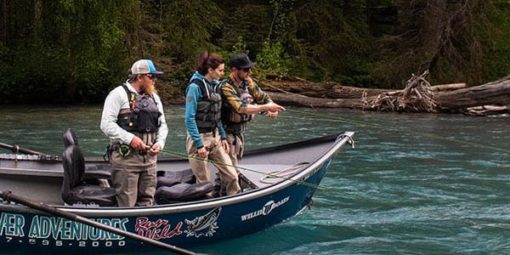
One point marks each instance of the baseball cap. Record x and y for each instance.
(241, 61)
(144, 66)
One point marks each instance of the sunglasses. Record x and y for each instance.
(152, 76)
(246, 69)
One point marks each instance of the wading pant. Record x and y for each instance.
(236, 150)
(134, 178)
(219, 158)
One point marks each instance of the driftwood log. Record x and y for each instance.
(487, 110)
(492, 93)
(417, 96)
(493, 96)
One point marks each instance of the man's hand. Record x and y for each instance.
(202, 152)
(137, 143)
(274, 107)
(155, 149)
(272, 115)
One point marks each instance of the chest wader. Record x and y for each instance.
(141, 119)
(234, 122)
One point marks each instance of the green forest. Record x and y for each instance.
(75, 51)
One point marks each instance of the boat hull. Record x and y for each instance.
(28, 231)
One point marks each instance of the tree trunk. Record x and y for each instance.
(447, 100)
(447, 87)
(4, 27)
(313, 102)
(492, 93)
(320, 90)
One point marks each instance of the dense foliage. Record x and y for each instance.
(76, 50)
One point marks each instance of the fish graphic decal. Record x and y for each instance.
(205, 225)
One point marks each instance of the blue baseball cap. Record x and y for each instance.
(144, 66)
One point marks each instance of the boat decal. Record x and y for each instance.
(265, 210)
(12, 224)
(157, 230)
(63, 229)
(204, 225)
(56, 231)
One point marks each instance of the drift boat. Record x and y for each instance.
(279, 183)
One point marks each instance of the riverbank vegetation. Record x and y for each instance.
(69, 51)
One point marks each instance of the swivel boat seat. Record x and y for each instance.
(74, 189)
(180, 186)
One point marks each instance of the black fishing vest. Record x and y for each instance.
(233, 121)
(208, 114)
(142, 115)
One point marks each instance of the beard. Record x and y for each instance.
(149, 89)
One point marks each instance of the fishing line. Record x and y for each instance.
(368, 124)
(325, 119)
(363, 123)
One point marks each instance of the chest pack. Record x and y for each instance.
(231, 116)
(142, 116)
(208, 107)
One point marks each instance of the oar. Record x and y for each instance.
(8, 196)
(16, 149)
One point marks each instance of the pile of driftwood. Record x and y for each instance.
(417, 96)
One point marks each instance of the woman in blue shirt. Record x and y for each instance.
(206, 138)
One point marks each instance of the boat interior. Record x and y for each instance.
(80, 182)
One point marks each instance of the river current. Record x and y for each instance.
(414, 183)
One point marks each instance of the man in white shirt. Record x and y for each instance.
(134, 121)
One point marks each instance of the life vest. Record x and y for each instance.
(233, 120)
(208, 114)
(142, 116)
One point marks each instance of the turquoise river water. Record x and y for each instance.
(414, 184)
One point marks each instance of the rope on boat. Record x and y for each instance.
(274, 176)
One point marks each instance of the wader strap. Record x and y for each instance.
(131, 97)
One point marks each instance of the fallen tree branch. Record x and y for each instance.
(448, 87)
(486, 110)
(313, 102)
(319, 90)
(417, 96)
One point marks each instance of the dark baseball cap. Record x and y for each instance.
(241, 61)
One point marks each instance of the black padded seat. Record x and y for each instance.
(173, 177)
(179, 186)
(182, 192)
(100, 171)
(74, 189)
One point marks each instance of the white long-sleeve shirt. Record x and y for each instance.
(118, 99)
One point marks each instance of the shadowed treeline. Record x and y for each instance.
(69, 51)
